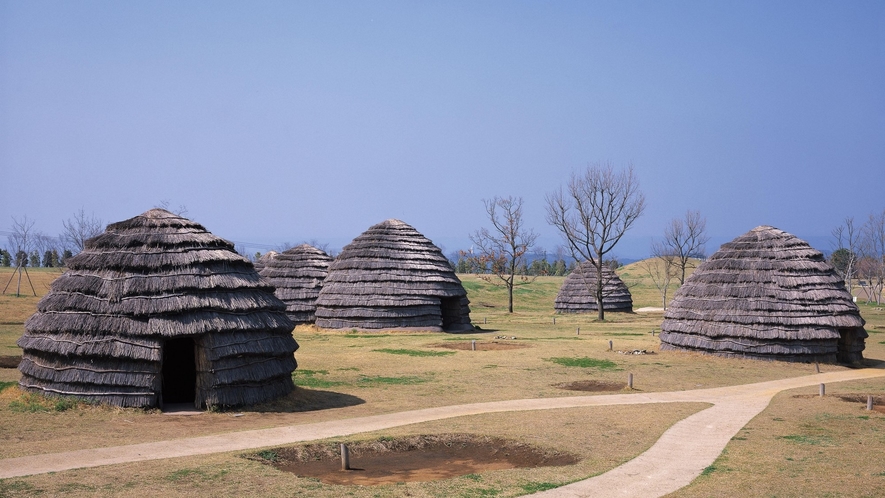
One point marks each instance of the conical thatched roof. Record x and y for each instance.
(157, 309)
(390, 277)
(768, 295)
(262, 260)
(298, 274)
(578, 291)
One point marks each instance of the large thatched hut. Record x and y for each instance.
(767, 295)
(578, 291)
(392, 277)
(157, 310)
(297, 275)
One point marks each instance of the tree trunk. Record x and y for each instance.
(510, 298)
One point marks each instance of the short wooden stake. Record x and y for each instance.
(609, 345)
(578, 332)
(554, 320)
(869, 401)
(345, 457)
(473, 345)
(817, 367)
(630, 381)
(485, 320)
(823, 390)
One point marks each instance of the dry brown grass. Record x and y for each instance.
(385, 373)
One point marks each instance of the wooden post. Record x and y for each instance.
(610, 345)
(554, 320)
(578, 332)
(630, 381)
(473, 345)
(485, 320)
(817, 367)
(345, 457)
(869, 401)
(823, 390)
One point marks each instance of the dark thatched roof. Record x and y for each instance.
(392, 277)
(578, 291)
(157, 305)
(298, 274)
(768, 295)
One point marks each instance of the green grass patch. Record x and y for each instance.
(584, 362)
(268, 455)
(36, 403)
(810, 440)
(6, 385)
(535, 487)
(309, 378)
(414, 352)
(708, 470)
(407, 380)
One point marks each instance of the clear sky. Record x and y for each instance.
(277, 122)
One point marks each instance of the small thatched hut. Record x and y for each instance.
(766, 295)
(578, 291)
(392, 277)
(263, 259)
(157, 310)
(297, 275)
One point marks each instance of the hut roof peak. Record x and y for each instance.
(158, 213)
(393, 222)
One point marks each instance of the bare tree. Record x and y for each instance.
(685, 241)
(662, 267)
(80, 228)
(593, 212)
(21, 242)
(844, 257)
(505, 246)
(871, 265)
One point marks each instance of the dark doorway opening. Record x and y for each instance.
(450, 309)
(179, 371)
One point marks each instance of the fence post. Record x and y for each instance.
(345, 457)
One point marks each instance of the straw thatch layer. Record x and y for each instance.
(104, 331)
(392, 277)
(298, 274)
(578, 291)
(767, 295)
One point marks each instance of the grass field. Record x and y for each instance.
(799, 446)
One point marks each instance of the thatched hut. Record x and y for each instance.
(262, 260)
(766, 295)
(392, 277)
(297, 275)
(578, 291)
(158, 310)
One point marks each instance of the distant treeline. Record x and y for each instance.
(464, 262)
(49, 259)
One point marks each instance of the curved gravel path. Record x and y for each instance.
(677, 458)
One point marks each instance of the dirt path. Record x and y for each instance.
(679, 456)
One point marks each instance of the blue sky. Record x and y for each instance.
(281, 122)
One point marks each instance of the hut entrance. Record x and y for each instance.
(179, 371)
(450, 309)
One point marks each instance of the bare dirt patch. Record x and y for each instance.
(10, 361)
(480, 345)
(411, 459)
(591, 386)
